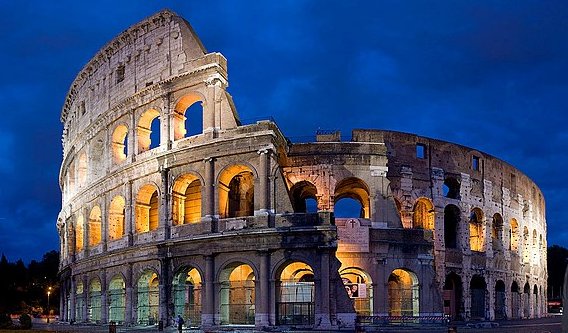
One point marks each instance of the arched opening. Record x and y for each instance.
(514, 236)
(188, 116)
(148, 297)
(476, 230)
(71, 179)
(526, 247)
(403, 293)
(187, 295)
(116, 299)
(451, 188)
(359, 287)
(535, 302)
(95, 301)
(296, 295)
(120, 144)
(148, 130)
(527, 301)
(497, 232)
(116, 218)
(95, 227)
(79, 233)
(236, 192)
(186, 200)
(515, 301)
(478, 289)
(423, 214)
(79, 302)
(356, 190)
(304, 195)
(237, 295)
(70, 248)
(452, 217)
(147, 209)
(500, 300)
(82, 170)
(453, 296)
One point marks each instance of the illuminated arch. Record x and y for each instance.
(144, 129)
(180, 114)
(95, 295)
(423, 214)
(147, 208)
(79, 301)
(119, 144)
(476, 230)
(514, 236)
(497, 232)
(187, 285)
(236, 191)
(359, 287)
(403, 293)
(95, 226)
(148, 298)
(186, 200)
(117, 299)
(302, 192)
(356, 189)
(237, 294)
(79, 233)
(116, 218)
(295, 302)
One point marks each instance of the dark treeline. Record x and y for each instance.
(23, 289)
(556, 261)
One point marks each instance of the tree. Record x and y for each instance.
(556, 260)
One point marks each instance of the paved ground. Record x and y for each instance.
(543, 325)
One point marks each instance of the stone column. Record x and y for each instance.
(207, 315)
(264, 183)
(164, 225)
(164, 290)
(86, 300)
(104, 298)
(129, 214)
(323, 319)
(72, 297)
(208, 201)
(104, 221)
(86, 240)
(132, 144)
(128, 304)
(263, 309)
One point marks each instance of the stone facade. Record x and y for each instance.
(233, 224)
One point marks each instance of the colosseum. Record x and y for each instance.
(171, 205)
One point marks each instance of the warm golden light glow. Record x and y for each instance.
(95, 226)
(147, 209)
(144, 129)
(116, 218)
(119, 143)
(186, 200)
(423, 214)
(476, 230)
(236, 192)
(180, 113)
(356, 189)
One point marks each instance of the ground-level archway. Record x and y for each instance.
(515, 301)
(359, 287)
(453, 296)
(187, 295)
(500, 312)
(478, 290)
(237, 295)
(404, 294)
(117, 300)
(148, 298)
(296, 295)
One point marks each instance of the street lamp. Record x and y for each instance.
(48, 293)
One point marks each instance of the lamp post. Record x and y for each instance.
(48, 293)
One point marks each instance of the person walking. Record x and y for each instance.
(180, 323)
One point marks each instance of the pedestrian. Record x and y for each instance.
(180, 323)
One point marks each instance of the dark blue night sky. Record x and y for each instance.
(486, 74)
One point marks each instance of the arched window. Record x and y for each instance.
(116, 218)
(79, 233)
(452, 217)
(186, 200)
(527, 301)
(296, 295)
(237, 295)
(476, 230)
(497, 233)
(451, 188)
(453, 296)
(236, 192)
(403, 293)
(500, 300)
(304, 194)
(82, 170)
(356, 190)
(359, 287)
(515, 301)
(120, 144)
(147, 209)
(514, 236)
(95, 227)
(423, 214)
(188, 116)
(187, 294)
(148, 130)
(95, 301)
(79, 302)
(117, 299)
(148, 297)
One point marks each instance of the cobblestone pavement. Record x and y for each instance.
(543, 325)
